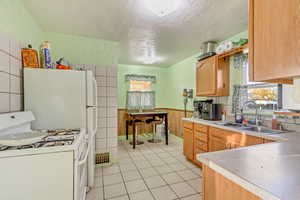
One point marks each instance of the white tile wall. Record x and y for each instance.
(11, 90)
(107, 134)
(4, 62)
(4, 105)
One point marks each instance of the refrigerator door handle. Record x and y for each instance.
(95, 120)
(95, 108)
(95, 91)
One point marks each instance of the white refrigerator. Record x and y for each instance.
(63, 99)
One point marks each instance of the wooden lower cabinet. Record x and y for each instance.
(217, 144)
(217, 187)
(199, 138)
(188, 144)
(268, 141)
(188, 140)
(220, 139)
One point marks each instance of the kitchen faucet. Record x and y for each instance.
(258, 118)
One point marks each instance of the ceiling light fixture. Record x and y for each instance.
(162, 8)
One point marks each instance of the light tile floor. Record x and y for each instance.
(150, 172)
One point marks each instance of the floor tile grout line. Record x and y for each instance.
(145, 182)
(127, 193)
(154, 168)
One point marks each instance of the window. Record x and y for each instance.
(141, 86)
(140, 95)
(267, 95)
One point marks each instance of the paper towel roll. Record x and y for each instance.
(296, 90)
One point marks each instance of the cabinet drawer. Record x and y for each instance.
(200, 145)
(201, 128)
(218, 133)
(201, 136)
(267, 141)
(188, 125)
(225, 135)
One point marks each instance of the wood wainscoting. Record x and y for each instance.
(174, 119)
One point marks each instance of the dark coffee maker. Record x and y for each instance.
(207, 110)
(199, 107)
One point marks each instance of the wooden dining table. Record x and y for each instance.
(134, 117)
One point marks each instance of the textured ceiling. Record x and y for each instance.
(142, 35)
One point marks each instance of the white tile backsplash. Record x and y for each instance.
(112, 142)
(4, 82)
(15, 85)
(112, 132)
(15, 66)
(11, 90)
(112, 71)
(102, 123)
(111, 92)
(107, 133)
(15, 49)
(102, 112)
(101, 101)
(101, 81)
(112, 112)
(101, 143)
(101, 133)
(101, 71)
(112, 122)
(4, 62)
(16, 102)
(112, 102)
(112, 82)
(102, 92)
(4, 43)
(4, 105)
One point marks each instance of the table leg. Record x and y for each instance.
(166, 128)
(127, 122)
(133, 132)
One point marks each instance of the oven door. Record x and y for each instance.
(80, 171)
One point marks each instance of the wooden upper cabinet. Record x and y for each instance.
(274, 40)
(212, 77)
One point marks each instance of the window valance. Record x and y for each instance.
(136, 77)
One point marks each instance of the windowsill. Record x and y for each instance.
(265, 113)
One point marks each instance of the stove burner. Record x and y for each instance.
(61, 138)
(26, 146)
(57, 143)
(3, 148)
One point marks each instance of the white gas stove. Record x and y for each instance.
(56, 165)
(53, 139)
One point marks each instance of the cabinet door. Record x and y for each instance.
(274, 35)
(188, 144)
(206, 77)
(217, 144)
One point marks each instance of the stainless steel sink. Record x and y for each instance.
(230, 124)
(262, 130)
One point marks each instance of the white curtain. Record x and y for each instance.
(140, 100)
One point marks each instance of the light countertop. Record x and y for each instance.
(270, 171)
(276, 137)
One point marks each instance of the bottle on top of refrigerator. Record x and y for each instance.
(45, 55)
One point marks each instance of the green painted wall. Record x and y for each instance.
(159, 86)
(182, 75)
(83, 50)
(17, 22)
(172, 80)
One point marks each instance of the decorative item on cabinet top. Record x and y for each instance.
(30, 57)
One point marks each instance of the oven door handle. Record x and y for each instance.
(81, 162)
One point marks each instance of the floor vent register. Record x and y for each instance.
(102, 158)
